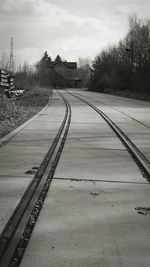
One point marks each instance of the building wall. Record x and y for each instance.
(63, 74)
(66, 75)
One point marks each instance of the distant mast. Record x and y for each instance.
(11, 55)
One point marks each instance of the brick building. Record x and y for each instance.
(61, 73)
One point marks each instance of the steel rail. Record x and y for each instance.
(142, 162)
(145, 125)
(16, 234)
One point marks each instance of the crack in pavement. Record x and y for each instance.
(96, 148)
(96, 180)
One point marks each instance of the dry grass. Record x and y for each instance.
(14, 112)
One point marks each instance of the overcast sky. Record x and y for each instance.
(71, 28)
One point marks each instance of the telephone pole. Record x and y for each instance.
(131, 50)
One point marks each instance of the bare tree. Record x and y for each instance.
(25, 76)
(84, 70)
(125, 67)
(4, 60)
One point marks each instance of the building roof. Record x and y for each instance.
(69, 65)
(72, 65)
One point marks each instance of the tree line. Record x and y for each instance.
(125, 68)
(37, 75)
(46, 77)
(40, 74)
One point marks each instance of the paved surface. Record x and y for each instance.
(132, 116)
(25, 150)
(89, 217)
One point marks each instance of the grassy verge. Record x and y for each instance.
(126, 93)
(134, 95)
(14, 112)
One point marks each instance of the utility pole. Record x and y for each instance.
(11, 55)
(131, 50)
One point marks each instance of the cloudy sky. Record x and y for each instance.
(71, 28)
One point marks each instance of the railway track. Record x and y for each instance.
(106, 105)
(16, 234)
(93, 209)
(142, 162)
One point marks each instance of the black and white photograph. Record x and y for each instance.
(74, 133)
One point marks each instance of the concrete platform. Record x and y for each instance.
(23, 151)
(131, 115)
(91, 224)
(89, 218)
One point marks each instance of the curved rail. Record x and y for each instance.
(145, 125)
(17, 231)
(142, 162)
